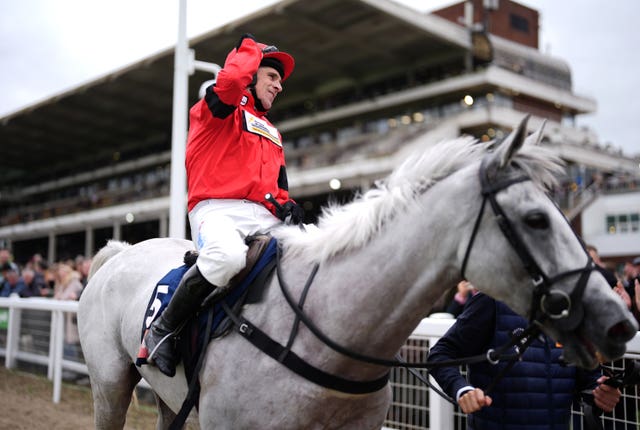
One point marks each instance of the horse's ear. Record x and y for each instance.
(536, 137)
(511, 144)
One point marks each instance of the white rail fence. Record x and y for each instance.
(414, 405)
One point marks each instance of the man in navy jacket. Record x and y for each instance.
(535, 394)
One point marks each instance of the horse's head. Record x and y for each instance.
(521, 228)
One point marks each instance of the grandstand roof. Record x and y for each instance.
(127, 113)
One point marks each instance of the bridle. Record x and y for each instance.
(546, 302)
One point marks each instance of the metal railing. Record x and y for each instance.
(54, 357)
(414, 406)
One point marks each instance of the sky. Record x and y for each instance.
(50, 46)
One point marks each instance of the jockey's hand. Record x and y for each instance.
(244, 36)
(604, 396)
(290, 212)
(473, 401)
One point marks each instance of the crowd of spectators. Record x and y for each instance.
(37, 278)
(63, 280)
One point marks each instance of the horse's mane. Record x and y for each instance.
(346, 227)
(112, 248)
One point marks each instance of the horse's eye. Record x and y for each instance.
(537, 220)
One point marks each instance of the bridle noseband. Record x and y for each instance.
(546, 302)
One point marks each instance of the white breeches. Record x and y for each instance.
(218, 229)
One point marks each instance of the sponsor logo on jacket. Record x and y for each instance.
(258, 126)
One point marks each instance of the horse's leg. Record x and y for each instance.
(112, 394)
(165, 414)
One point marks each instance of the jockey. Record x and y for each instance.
(234, 158)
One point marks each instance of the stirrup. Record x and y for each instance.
(166, 337)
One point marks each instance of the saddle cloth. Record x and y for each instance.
(261, 257)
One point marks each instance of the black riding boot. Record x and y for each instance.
(189, 295)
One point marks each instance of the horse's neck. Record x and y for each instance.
(371, 299)
(406, 271)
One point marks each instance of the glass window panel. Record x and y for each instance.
(611, 224)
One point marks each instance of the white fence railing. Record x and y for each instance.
(54, 360)
(414, 405)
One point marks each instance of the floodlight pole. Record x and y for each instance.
(184, 65)
(178, 189)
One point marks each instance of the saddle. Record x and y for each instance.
(245, 287)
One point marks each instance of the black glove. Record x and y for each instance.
(290, 212)
(244, 36)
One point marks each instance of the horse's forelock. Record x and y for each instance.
(351, 226)
(540, 164)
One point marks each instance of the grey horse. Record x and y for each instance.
(382, 260)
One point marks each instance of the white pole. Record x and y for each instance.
(51, 365)
(13, 336)
(58, 353)
(440, 411)
(178, 197)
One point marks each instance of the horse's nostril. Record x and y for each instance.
(622, 331)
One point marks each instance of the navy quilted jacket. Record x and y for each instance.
(535, 394)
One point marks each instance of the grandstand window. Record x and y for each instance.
(634, 222)
(623, 223)
(519, 23)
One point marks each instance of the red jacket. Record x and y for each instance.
(233, 151)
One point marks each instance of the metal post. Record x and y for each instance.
(178, 198)
(58, 355)
(164, 226)
(468, 22)
(13, 336)
(52, 346)
(117, 231)
(88, 242)
(51, 257)
(440, 411)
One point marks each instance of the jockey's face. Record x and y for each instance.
(268, 85)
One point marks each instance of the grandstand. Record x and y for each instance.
(373, 78)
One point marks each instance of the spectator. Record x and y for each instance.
(608, 274)
(49, 274)
(610, 277)
(7, 258)
(637, 296)
(68, 287)
(12, 283)
(34, 283)
(536, 393)
(630, 272)
(83, 269)
(627, 407)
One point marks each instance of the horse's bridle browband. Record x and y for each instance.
(546, 302)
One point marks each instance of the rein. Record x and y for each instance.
(491, 355)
